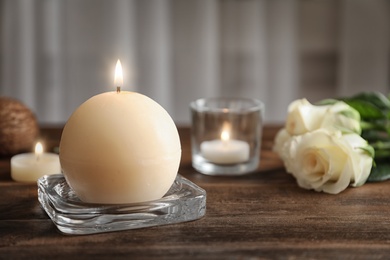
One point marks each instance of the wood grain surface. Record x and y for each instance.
(263, 215)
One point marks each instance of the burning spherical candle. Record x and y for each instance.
(29, 167)
(120, 147)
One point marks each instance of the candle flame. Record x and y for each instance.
(38, 150)
(225, 135)
(118, 79)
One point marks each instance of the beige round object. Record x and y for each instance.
(120, 148)
(18, 127)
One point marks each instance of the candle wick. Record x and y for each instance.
(38, 157)
(118, 89)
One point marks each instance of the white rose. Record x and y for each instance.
(341, 116)
(281, 140)
(304, 117)
(328, 161)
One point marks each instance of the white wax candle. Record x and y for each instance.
(120, 147)
(225, 151)
(29, 167)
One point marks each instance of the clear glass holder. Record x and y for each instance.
(226, 135)
(203, 166)
(185, 201)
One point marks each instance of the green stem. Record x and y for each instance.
(382, 154)
(367, 125)
(381, 145)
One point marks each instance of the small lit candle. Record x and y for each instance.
(29, 167)
(120, 147)
(225, 150)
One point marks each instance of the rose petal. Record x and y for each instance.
(327, 161)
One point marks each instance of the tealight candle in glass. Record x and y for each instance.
(226, 135)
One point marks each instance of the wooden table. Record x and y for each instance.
(264, 214)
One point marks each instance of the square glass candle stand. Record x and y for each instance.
(184, 201)
(226, 135)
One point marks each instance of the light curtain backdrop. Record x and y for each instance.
(55, 54)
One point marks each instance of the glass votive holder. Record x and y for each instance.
(226, 135)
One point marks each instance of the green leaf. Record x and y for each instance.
(376, 98)
(380, 172)
(366, 109)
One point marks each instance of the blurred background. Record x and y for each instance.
(55, 54)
